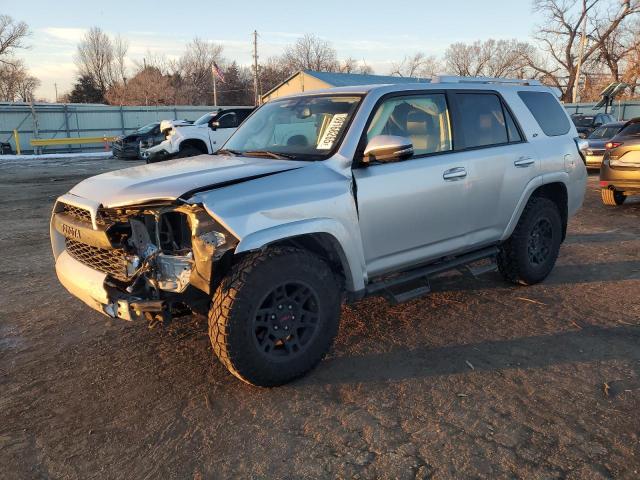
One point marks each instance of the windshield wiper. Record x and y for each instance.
(226, 151)
(267, 153)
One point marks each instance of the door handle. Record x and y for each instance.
(524, 162)
(454, 173)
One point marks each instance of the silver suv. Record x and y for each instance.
(327, 197)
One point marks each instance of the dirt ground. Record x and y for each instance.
(480, 379)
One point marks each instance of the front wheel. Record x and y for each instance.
(188, 152)
(275, 316)
(532, 250)
(612, 197)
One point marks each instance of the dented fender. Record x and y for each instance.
(347, 251)
(309, 200)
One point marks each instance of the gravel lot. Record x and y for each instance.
(480, 379)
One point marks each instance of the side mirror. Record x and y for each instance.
(387, 148)
(215, 125)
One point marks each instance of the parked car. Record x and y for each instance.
(585, 124)
(323, 197)
(128, 146)
(620, 171)
(597, 141)
(205, 135)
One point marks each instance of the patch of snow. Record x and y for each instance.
(49, 156)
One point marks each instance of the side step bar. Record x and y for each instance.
(415, 282)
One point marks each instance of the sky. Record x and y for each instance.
(377, 32)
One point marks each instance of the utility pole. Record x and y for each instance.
(255, 68)
(583, 41)
(55, 86)
(215, 86)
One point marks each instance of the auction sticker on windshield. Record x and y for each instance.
(331, 133)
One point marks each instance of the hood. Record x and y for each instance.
(171, 180)
(131, 138)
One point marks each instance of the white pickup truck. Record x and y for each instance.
(205, 135)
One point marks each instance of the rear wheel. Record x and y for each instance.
(612, 197)
(275, 315)
(532, 250)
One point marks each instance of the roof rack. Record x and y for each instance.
(507, 81)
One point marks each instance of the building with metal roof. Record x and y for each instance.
(306, 80)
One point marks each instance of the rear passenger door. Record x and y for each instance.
(500, 163)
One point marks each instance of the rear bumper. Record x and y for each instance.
(593, 161)
(620, 178)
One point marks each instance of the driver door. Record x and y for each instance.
(413, 210)
(221, 128)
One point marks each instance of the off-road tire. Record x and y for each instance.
(240, 295)
(514, 262)
(188, 152)
(612, 197)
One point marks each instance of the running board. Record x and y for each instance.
(415, 282)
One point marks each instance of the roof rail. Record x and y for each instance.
(459, 79)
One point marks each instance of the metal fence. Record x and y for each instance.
(620, 110)
(82, 120)
(92, 120)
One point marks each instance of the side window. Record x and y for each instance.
(547, 111)
(227, 120)
(512, 130)
(424, 119)
(482, 122)
(242, 114)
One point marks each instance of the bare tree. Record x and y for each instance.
(195, 70)
(147, 87)
(351, 65)
(560, 34)
(96, 59)
(272, 72)
(12, 36)
(16, 84)
(311, 53)
(416, 65)
(120, 49)
(488, 58)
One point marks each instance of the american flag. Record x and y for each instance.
(217, 72)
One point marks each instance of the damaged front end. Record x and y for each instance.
(157, 259)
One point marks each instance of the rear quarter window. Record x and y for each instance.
(547, 111)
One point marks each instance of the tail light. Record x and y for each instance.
(582, 145)
(610, 145)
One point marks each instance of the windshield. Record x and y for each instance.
(582, 121)
(604, 132)
(147, 128)
(304, 128)
(204, 119)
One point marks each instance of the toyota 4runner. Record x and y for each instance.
(324, 197)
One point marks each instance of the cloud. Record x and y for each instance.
(69, 35)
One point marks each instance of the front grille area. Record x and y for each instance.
(77, 213)
(104, 217)
(112, 262)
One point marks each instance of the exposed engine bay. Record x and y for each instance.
(158, 258)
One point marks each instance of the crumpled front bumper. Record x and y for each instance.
(88, 285)
(158, 153)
